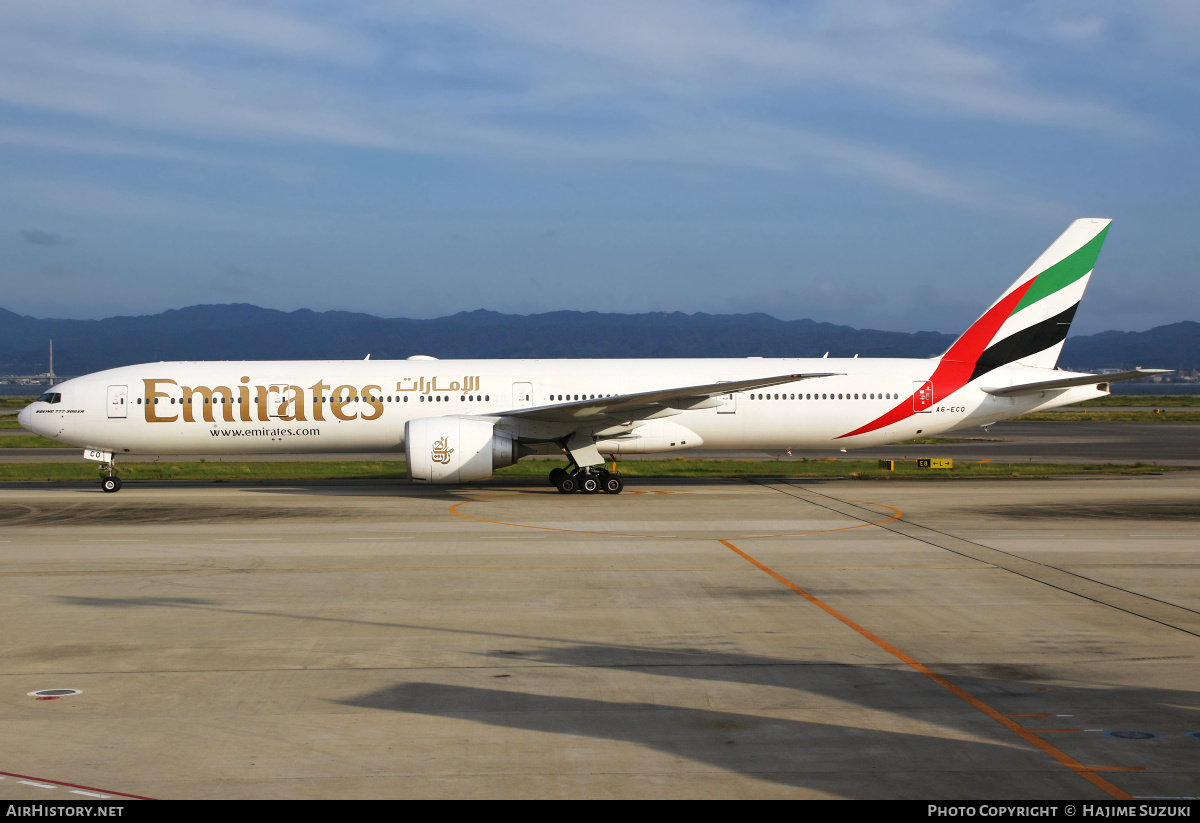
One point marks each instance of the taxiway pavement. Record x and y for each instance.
(703, 638)
(1167, 444)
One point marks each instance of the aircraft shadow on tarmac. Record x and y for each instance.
(847, 760)
(859, 761)
(523, 485)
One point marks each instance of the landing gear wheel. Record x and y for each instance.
(589, 483)
(566, 484)
(612, 484)
(556, 475)
(111, 484)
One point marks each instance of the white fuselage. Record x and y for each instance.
(232, 407)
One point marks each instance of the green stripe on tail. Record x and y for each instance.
(1064, 272)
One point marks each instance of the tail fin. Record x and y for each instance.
(1029, 322)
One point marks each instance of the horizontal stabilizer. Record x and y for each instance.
(643, 404)
(1068, 382)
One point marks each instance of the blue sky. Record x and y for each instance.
(875, 164)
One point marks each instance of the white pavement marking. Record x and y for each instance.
(514, 537)
(97, 540)
(379, 538)
(39, 785)
(246, 539)
(90, 794)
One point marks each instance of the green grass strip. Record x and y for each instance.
(386, 470)
(1074, 415)
(31, 441)
(1144, 400)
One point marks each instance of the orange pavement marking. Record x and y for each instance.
(896, 513)
(1086, 772)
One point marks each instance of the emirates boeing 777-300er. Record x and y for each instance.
(458, 420)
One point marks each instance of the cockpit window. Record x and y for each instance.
(50, 397)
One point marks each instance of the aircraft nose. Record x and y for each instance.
(24, 417)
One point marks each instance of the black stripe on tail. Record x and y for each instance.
(1036, 338)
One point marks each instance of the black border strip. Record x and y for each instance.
(1036, 338)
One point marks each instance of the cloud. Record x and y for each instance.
(760, 86)
(254, 28)
(42, 238)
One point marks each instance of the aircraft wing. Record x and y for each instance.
(645, 404)
(1068, 382)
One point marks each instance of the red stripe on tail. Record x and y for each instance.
(954, 369)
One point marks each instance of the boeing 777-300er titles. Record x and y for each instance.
(456, 421)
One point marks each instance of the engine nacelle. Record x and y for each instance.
(455, 449)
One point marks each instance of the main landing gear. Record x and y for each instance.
(110, 483)
(588, 480)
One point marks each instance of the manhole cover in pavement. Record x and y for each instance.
(54, 692)
(1132, 735)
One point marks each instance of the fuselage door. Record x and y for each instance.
(522, 397)
(117, 396)
(922, 395)
(282, 400)
(728, 403)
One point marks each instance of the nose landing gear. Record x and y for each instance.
(111, 483)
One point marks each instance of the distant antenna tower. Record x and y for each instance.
(52, 361)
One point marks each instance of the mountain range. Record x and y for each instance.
(245, 332)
